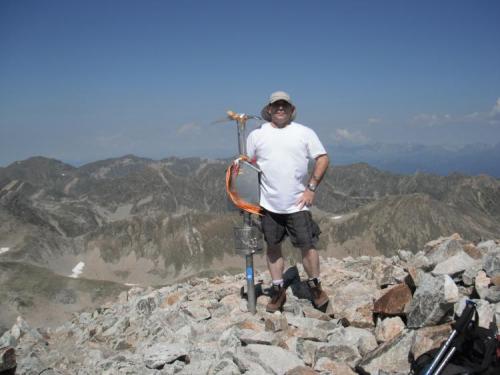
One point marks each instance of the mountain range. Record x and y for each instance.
(408, 158)
(101, 227)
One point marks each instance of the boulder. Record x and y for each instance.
(491, 262)
(272, 359)
(160, 354)
(394, 301)
(453, 265)
(390, 357)
(388, 328)
(432, 301)
(354, 302)
(429, 338)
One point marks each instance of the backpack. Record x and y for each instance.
(469, 349)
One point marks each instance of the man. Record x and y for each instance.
(282, 149)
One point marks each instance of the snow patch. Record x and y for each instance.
(4, 249)
(77, 270)
(337, 217)
(130, 284)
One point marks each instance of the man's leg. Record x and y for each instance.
(310, 261)
(276, 266)
(275, 262)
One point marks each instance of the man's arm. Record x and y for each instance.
(319, 170)
(320, 167)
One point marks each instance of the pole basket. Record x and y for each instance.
(247, 240)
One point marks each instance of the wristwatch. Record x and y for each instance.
(312, 187)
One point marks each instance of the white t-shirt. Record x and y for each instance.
(283, 155)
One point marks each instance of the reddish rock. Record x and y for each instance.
(472, 251)
(394, 301)
(495, 280)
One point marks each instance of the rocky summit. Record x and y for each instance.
(383, 312)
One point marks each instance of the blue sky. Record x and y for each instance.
(88, 80)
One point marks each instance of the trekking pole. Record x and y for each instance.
(246, 235)
(459, 326)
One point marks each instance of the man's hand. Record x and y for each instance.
(306, 199)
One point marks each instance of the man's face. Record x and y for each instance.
(281, 112)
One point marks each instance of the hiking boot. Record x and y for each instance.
(320, 298)
(278, 298)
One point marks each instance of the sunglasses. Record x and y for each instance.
(281, 103)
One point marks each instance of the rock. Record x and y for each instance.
(360, 339)
(491, 262)
(485, 311)
(486, 246)
(326, 365)
(497, 315)
(473, 251)
(224, 367)
(275, 323)
(390, 357)
(404, 255)
(301, 370)
(493, 295)
(453, 265)
(481, 284)
(394, 301)
(252, 337)
(443, 248)
(354, 302)
(388, 328)
(429, 338)
(495, 280)
(160, 354)
(432, 301)
(197, 311)
(391, 275)
(305, 349)
(272, 359)
(339, 352)
(469, 275)
(7, 359)
(146, 305)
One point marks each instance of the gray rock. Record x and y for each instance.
(265, 338)
(432, 301)
(470, 273)
(491, 262)
(197, 311)
(486, 246)
(273, 359)
(443, 248)
(390, 357)
(343, 353)
(485, 311)
(196, 367)
(275, 322)
(360, 339)
(493, 295)
(160, 354)
(224, 367)
(306, 350)
(455, 264)
(354, 302)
